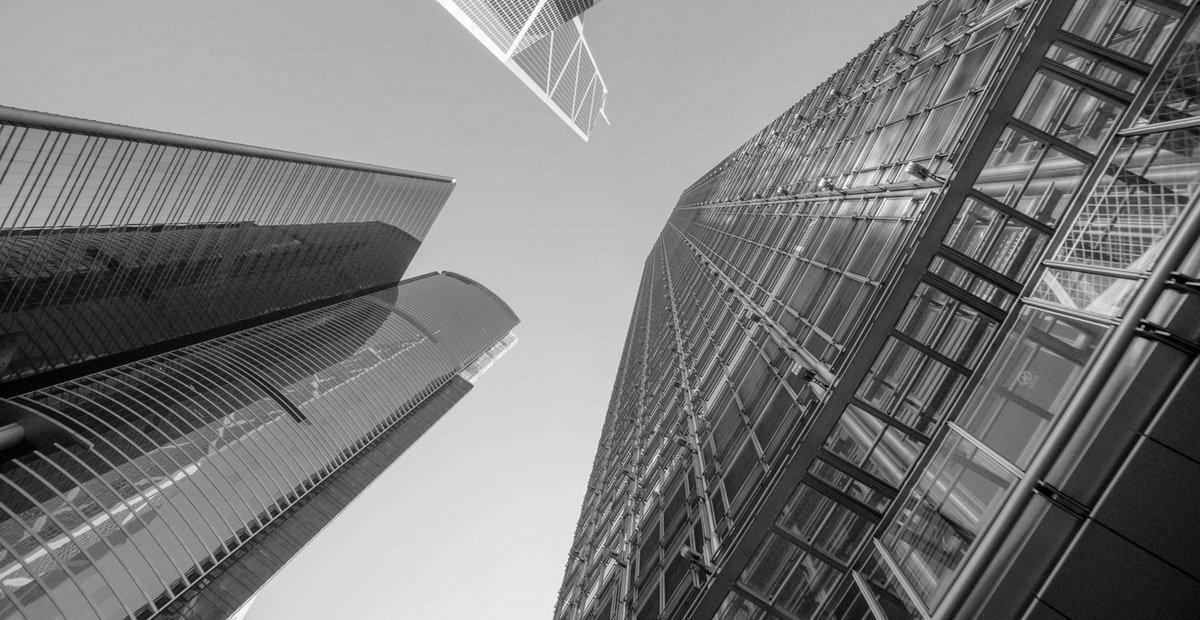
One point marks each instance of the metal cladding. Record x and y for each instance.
(267, 552)
(925, 345)
(115, 239)
(133, 484)
(207, 351)
(542, 43)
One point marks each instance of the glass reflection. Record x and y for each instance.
(952, 503)
(1030, 381)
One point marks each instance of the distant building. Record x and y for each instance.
(926, 345)
(208, 351)
(542, 43)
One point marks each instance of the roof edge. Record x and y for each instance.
(503, 304)
(46, 120)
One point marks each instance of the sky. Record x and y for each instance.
(476, 519)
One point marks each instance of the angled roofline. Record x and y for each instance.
(46, 120)
(466, 21)
(503, 304)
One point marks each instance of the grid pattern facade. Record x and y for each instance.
(542, 43)
(552, 14)
(113, 239)
(134, 489)
(560, 64)
(862, 340)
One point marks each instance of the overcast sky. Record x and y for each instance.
(476, 519)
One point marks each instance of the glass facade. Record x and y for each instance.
(177, 484)
(115, 239)
(920, 326)
(207, 350)
(542, 43)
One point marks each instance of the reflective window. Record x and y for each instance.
(808, 587)
(998, 241)
(911, 385)
(791, 579)
(738, 607)
(952, 328)
(194, 451)
(1067, 111)
(111, 269)
(825, 524)
(850, 603)
(851, 486)
(969, 71)
(1030, 176)
(885, 587)
(865, 441)
(770, 566)
(1030, 381)
(1135, 28)
(1091, 292)
(1095, 67)
(970, 282)
(954, 500)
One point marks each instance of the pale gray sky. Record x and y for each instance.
(476, 519)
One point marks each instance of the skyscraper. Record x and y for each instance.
(208, 352)
(115, 239)
(542, 43)
(924, 346)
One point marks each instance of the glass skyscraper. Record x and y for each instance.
(115, 239)
(926, 345)
(542, 43)
(207, 350)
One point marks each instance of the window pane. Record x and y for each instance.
(992, 238)
(737, 607)
(1101, 70)
(1031, 380)
(1069, 112)
(811, 582)
(952, 503)
(885, 585)
(1028, 175)
(823, 523)
(848, 485)
(1139, 32)
(770, 566)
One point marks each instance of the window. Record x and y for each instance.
(1030, 176)
(951, 505)
(1134, 28)
(825, 524)
(995, 239)
(1067, 111)
(1030, 382)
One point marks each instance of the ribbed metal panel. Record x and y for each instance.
(242, 574)
(134, 482)
(113, 238)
